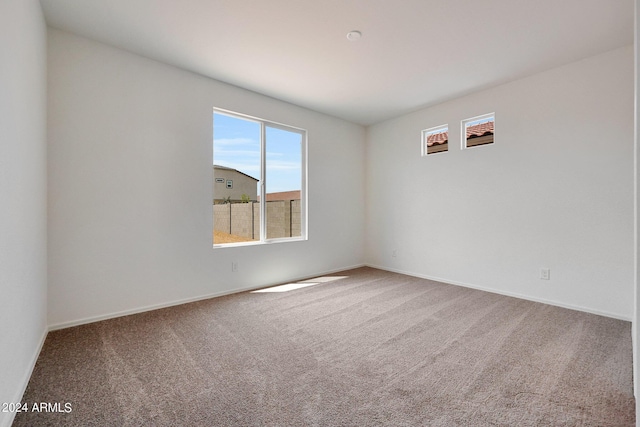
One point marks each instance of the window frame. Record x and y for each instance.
(432, 131)
(463, 130)
(304, 136)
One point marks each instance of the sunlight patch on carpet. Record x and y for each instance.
(299, 285)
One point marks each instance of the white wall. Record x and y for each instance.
(555, 190)
(636, 175)
(23, 198)
(130, 214)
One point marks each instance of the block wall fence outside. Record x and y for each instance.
(243, 219)
(222, 218)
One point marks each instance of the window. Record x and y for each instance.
(478, 130)
(435, 140)
(259, 180)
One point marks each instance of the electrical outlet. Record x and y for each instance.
(234, 266)
(394, 253)
(545, 274)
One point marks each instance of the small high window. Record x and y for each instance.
(478, 130)
(435, 140)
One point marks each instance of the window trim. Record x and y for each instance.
(433, 130)
(304, 216)
(463, 130)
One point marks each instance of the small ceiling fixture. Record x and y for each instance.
(354, 35)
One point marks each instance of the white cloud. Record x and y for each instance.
(230, 153)
(282, 165)
(218, 142)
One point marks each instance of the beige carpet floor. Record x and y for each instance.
(370, 349)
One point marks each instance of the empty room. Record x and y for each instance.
(323, 213)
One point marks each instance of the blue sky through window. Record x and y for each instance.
(236, 144)
(480, 121)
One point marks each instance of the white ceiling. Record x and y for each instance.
(413, 53)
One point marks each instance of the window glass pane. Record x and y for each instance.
(283, 180)
(479, 130)
(236, 179)
(258, 180)
(435, 140)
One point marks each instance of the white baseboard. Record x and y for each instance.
(93, 319)
(26, 378)
(509, 294)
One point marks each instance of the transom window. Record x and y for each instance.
(435, 140)
(478, 130)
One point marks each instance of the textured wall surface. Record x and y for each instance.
(23, 194)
